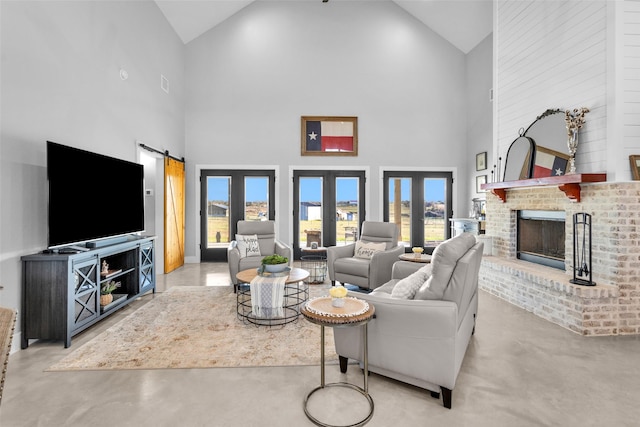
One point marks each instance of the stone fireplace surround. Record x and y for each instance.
(612, 307)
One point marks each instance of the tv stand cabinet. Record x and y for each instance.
(61, 292)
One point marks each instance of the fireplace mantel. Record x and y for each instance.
(569, 184)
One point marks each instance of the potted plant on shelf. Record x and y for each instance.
(275, 263)
(105, 292)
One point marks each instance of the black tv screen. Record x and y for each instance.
(92, 196)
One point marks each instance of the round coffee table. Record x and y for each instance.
(296, 292)
(355, 312)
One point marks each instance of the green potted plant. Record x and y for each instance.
(275, 263)
(105, 291)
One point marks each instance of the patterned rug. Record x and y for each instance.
(197, 327)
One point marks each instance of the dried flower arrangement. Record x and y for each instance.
(575, 119)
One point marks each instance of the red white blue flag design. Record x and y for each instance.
(329, 136)
(549, 163)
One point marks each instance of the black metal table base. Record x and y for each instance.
(295, 294)
(362, 390)
(340, 384)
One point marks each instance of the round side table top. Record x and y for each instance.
(424, 258)
(354, 312)
(295, 275)
(312, 250)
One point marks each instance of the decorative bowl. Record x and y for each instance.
(275, 268)
(337, 302)
(417, 250)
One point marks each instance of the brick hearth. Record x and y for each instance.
(612, 307)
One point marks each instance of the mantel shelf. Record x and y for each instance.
(569, 184)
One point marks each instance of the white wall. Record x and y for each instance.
(60, 81)
(250, 79)
(479, 112)
(552, 54)
(627, 57)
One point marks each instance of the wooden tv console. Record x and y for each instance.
(61, 292)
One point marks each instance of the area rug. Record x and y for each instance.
(197, 327)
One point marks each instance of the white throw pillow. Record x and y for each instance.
(407, 287)
(248, 245)
(366, 250)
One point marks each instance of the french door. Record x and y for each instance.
(228, 196)
(421, 204)
(328, 207)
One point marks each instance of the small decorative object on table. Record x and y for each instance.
(338, 294)
(105, 291)
(417, 251)
(275, 263)
(574, 120)
(105, 268)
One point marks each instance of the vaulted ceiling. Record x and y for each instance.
(464, 23)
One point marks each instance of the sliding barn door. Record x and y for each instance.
(173, 214)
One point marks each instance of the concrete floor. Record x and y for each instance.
(519, 370)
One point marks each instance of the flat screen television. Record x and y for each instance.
(92, 196)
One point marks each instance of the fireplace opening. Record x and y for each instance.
(540, 237)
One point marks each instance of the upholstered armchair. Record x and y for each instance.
(254, 241)
(367, 263)
(425, 317)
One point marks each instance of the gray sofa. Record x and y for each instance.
(425, 316)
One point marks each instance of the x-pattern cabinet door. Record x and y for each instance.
(86, 293)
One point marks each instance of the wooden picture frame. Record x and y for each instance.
(480, 179)
(329, 136)
(634, 160)
(481, 161)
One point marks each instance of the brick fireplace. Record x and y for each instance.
(612, 307)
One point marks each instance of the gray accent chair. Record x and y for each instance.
(366, 273)
(269, 245)
(422, 326)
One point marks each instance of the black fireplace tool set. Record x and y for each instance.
(582, 250)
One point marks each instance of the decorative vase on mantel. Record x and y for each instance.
(572, 143)
(574, 121)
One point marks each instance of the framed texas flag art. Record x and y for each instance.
(329, 136)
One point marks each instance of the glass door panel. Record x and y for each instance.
(435, 229)
(228, 196)
(328, 207)
(256, 198)
(310, 210)
(400, 207)
(347, 209)
(420, 203)
(218, 224)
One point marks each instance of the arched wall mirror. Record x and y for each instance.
(518, 164)
(548, 155)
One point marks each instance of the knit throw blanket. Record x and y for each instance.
(267, 296)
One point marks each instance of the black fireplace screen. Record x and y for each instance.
(541, 237)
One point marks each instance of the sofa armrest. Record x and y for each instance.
(402, 269)
(336, 252)
(233, 259)
(382, 264)
(412, 318)
(284, 250)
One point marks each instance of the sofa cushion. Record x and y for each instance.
(248, 245)
(406, 288)
(443, 262)
(367, 249)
